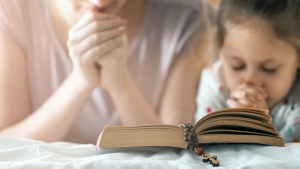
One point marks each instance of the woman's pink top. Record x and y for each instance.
(170, 28)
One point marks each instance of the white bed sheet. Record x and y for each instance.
(23, 153)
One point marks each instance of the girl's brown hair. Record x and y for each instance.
(281, 16)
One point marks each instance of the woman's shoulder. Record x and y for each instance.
(19, 12)
(183, 21)
(171, 14)
(22, 8)
(14, 18)
(15, 6)
(190, 3)
(196, 5)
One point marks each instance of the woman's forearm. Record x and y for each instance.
(54, 118)
(132, 106)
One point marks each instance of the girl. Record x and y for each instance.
(70, 67)
(259, 59)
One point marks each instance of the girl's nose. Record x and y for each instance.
(254, 82)
(253, 78)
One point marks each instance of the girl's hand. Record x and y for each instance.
(248, 96)
(92, 37)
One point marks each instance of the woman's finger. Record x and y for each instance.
(94, 27)
(98, 38)
(92, 55)
(89, 17)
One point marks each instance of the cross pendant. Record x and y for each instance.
(212, 159)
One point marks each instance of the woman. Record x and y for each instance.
(124, 63)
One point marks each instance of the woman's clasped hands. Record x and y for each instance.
(98, 47)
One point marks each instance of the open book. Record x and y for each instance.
(234, 125)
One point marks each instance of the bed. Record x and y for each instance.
(23, 153)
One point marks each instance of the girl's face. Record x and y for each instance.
(252, 54)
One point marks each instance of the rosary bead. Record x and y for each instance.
(192, 147)
(199, 151)
(186, 139)
(181, 125)
(186, 130)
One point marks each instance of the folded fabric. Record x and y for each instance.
(23, 153)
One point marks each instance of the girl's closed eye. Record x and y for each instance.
(235, 63)
(238, 67)
(269, 70)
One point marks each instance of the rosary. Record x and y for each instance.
(191, 140)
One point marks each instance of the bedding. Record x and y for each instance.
(18, 153)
